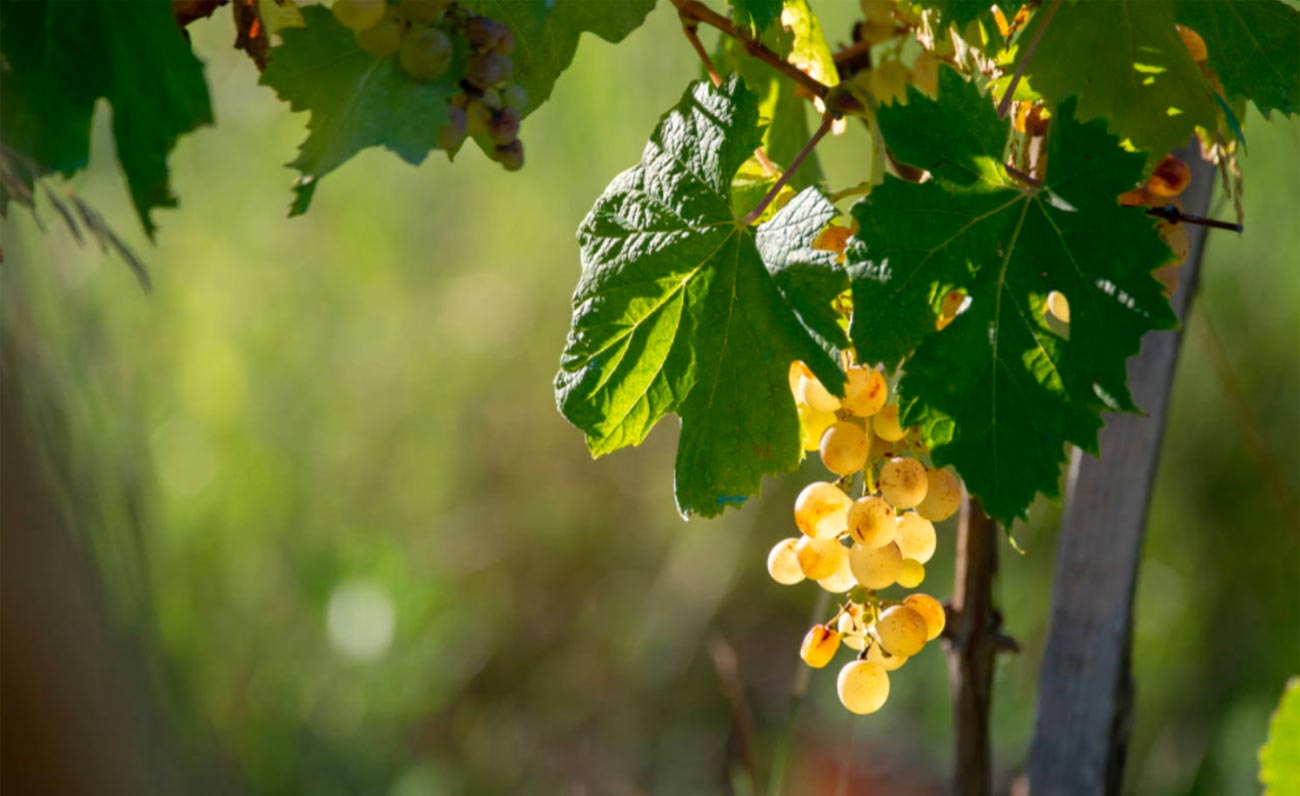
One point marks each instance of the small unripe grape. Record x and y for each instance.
(864, 391)
(1059, 305)
(876, 567)
(783, 562)
(483, 34)
(902, 482)
(912, 574)
(915, 537)
(504, 126)
(426, 53)
(863, 687)
(872, 522)
(510, 156)
(942, 495)
(821, 510)
(812, 425)
(931, 610)
(1194, 43)
(383, 38)
(844, 448)
(901, 630)
(886, 661)
(885, 424)
(819, 558)
(514, 96)
(491, 98)
(488, 69)
(819, 646)
(423, 12)
(841, 581)
(811, 393)
(357, 15)
(1170, 178)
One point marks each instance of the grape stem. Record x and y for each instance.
(692, 30)
(828, 119)
(698, 12)
(1050, 11)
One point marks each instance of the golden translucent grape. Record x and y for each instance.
(844, 448)
(885, 424)
(915, 537)
(872, 522)
(841, 581)
(813, 393)
(812, 425)
(876, 567)
(819, 646)
(819, 558)
(901, 630)
(931, 610)
(902, 482)
(821, 510)
(942, 495)
(863, 687)
(783, 562)
(886, 661)
(865, 391)
(912, 574)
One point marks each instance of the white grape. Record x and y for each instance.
(876, 567)
(912, 574)
(865, 391)
(885, 424)
(863, 687)
(902, 482)
(783, 562)
(872, 522)
(821, 510)
(901, 630)
(812, 425)
(819, 558)
(931, 610)
(811, 392)
(915, 537)
(819, 646)
(844, 448)
(841, 581)
(942, 495)
(887, 662)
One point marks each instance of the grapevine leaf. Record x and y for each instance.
(61, 57)
(998, 393)
(547, 33)
(1279, 758)
(676, 312)
(357, 100)
(1253, 46)
(961, 13)
(757, 14)
(1127, 64)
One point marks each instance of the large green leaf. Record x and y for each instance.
(677, 313)
(547, 33)
(1279, 758)
(61, 56)
(1253, 46)
(356, 100)
(1127, 64)
(998, 392)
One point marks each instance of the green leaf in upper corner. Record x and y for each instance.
(357, 100)
(61, 56)
(1127, 64)
(1253, 46)
(757, 14)
(547, 33)
(998, 392)
(1279, 757)
(677, 313)
(961, 13)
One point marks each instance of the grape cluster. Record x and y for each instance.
(421, 34)
(857, 547)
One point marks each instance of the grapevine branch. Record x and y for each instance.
(1005, 105)
(828, 119)
(696, 11)
(692, 30)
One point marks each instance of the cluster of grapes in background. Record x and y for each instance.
(422, 33)
(857, 547)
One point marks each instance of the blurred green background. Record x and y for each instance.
(356, 550)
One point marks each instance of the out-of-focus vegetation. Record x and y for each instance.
(322, 469)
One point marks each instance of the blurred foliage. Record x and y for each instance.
(323, 471)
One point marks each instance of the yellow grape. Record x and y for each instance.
(942, 495)
(810, 391)
(886, 661)
(865, 391)
(885, 424)
(844, 448)
(876, 567)
(819, 558)
(812, 425)
(383, 38)
(902, 482)
(797, 369)
(931, 610)
(863, 687)
(819, 646)
(1059, 305)
(915, 537)
(841, 581)
(872, 522)
(821, 510)
(425, 53)
(901, 630)
(912, 575)
(783, 562)
(357, 15)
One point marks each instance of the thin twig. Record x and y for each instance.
(692, 30)
(695, 10)
(1173, 215)
(1005, 105)
(827, 120)
(1023, 177)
